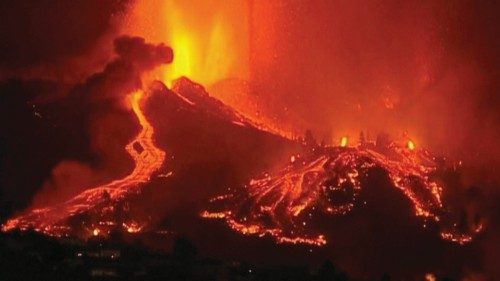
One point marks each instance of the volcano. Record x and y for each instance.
(208, 172)
(289, 182)
(332, 181)
(361, 135)
(188, 108)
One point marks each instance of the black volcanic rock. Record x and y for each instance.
(210, 148)
(197, 129)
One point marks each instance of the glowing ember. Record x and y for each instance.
(410, 145)
(132, 227)
(54, 220)
(343, 142)
(430, 277)
(329, 182)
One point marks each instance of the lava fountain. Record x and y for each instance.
(209, 38)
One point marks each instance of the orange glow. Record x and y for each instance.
(343, 141)
(148, 159)
(430, 277)
(132, 227)
(152, 157)
(280, 204)
(410, 145)
(210, 42)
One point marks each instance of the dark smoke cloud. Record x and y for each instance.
(88, 121)
(101, 99)
(437, 62)
(123, 75)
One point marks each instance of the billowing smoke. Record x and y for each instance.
(336, 67)
(419, 69)
(91, 117)
(123, 75)
(102, 98)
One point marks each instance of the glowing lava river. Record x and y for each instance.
(53, 220)
(290, 204)
(330, 182)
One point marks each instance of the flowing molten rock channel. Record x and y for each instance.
(329, 182)
(322, 182)
(147, 158)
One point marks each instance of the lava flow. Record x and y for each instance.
(54, 220)
(330, 182)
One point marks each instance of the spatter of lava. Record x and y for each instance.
(101, 200)
(330, 181)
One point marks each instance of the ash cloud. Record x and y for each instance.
(101, 101)
(87, 123)
(123, 74)
(427, 66)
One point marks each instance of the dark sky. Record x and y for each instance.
(43, 35)
(49, 30)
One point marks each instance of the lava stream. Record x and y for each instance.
(148, 159)
(329, 182)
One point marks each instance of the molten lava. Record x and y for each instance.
(209, 38)
(330, 182)
(410, 145)
(343, 142)
(54, 220)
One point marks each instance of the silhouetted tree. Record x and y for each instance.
(309, 139)
(341, 276)
(184, 250)
(386, 277)
(326, 272)
(362, 139)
